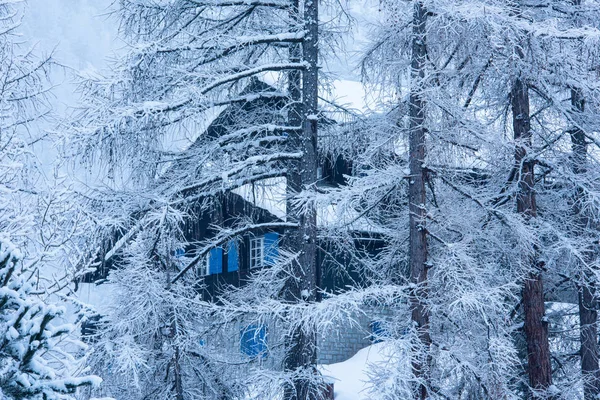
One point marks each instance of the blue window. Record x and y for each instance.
(215, 261)
(271, 248)
(233, 256)
(253, 341)
(179, 252)
(378, 331)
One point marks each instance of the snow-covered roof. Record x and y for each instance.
(270, 195)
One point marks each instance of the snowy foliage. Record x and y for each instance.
(143, 125)
(34, 361)
(196, 65)
(477, 238)
(40, 359)
(22, 102)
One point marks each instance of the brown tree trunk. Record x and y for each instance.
(177, 374)
(536, 328)
(301, 357)
(588, 315)
(178, 378)
(417, 204)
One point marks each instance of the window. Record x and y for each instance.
(179, 256)
(257, 245)
(264, 250)
(206, 266)
(179, 252)
(378, 331)
(253, 341)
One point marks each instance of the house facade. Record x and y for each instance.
(232, 264)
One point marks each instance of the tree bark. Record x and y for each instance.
(536, 327)
(418, 251)
(301, 357)
(588, 304)
(178, 378)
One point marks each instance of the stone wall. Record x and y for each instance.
(336, 343)
(341, 342)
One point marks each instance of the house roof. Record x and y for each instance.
(261, 104)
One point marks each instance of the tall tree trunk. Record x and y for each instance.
(588, 315)
(176, 364)
(301, 357)
(178, 377)
(536, 328)
(417, 206)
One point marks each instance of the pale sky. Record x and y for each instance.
(78, 27)
(85, 37)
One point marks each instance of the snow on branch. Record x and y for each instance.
(251, 72)
(233, 3)
(33, 362)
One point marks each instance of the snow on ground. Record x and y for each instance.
(350, 378)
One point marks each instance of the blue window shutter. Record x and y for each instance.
(378, 331)
(179, 252)
(233, 256)
(253, 341)
(271, 248)
(215, 261)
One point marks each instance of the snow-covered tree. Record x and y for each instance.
(491, 86)
(479, 179)
(143, 125)
(39, 358)
(22, 103)
(34, 363)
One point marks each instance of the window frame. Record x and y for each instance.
(256, 252)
